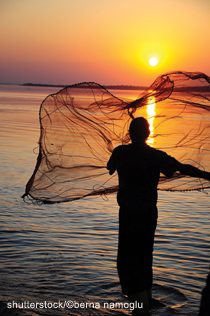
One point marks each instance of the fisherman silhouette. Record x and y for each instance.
(139, 166)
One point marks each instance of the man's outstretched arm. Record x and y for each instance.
(191, 171)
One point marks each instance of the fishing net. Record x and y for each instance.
(82, 123)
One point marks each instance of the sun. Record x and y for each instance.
(153, 61)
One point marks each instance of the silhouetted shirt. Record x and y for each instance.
(139, 167)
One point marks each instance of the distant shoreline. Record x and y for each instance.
(122, 87)
(117, 87)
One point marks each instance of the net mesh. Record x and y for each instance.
(81, 124)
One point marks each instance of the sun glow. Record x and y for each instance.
(153, 61)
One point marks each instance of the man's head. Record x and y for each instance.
(139, 129)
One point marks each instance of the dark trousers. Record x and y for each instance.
(137, 224)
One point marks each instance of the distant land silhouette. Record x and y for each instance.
(124, 87)
(118, 87)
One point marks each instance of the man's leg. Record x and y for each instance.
(149, 297)
(141, 303)
(136, 238)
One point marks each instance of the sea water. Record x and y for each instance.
(65, 254)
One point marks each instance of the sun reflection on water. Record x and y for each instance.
(150, 117)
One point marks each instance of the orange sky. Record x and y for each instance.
(106, 41)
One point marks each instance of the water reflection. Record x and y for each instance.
(150, 117)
